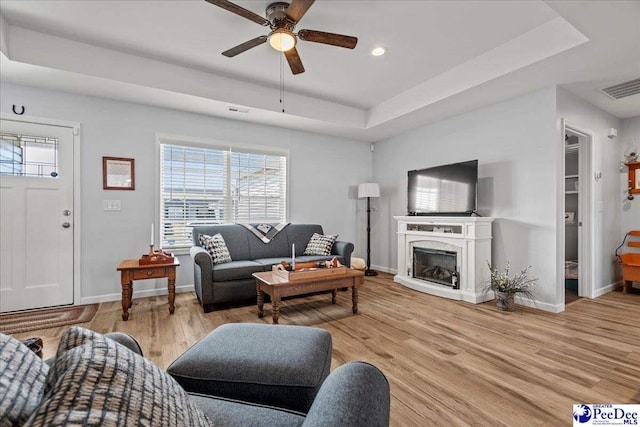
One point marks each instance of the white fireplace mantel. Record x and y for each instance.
(469, 237)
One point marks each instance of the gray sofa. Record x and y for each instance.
(104, 380)
(233, 281)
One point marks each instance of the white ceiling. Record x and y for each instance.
(444, 57)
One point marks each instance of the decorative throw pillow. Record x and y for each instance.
(216, 247)
(22, 381)
(320, 244)
(96, 381)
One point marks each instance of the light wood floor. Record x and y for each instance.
(449, 363)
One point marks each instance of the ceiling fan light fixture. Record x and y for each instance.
(282, 40)
(378, 51)
(282, 18)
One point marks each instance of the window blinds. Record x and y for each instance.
(205, 186)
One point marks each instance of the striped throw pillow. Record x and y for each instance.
(22, 380)
(96, 381)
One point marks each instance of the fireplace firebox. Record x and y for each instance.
(434, 265)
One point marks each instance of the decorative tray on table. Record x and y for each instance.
(156, 257)
(304, 272)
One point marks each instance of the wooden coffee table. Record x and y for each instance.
(277, 287)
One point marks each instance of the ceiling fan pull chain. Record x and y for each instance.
(282, 82)
(280, 86)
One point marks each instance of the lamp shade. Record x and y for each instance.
(368, 189)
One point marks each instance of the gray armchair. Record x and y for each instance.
(356, 394)
(243, 375)
(248, 375)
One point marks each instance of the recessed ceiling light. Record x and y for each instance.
(378, 51)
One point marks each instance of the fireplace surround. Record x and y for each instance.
(445, 256)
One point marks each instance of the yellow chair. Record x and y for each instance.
(631, 262)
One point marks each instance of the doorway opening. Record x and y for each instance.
(571, 216)
(39, 185)
(577, 233)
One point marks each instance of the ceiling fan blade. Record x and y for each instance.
(238, 10)
(244, 46)
(294, 61)
(339, 40)
(297, 9)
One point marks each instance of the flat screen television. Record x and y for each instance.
(444, 190)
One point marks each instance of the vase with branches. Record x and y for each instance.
(505, 286)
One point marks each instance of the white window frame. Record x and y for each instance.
(190, 141)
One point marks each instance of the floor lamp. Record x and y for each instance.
(369, 190)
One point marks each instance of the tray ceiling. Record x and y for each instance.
(167, 53)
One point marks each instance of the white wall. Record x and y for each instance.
(515, 141)
(607, 192)
(324, 171)
(516, 144)
(628, 139)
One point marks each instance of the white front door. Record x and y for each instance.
(36, 217)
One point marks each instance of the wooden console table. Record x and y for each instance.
(130, 270)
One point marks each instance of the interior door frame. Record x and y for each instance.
(586, 207)
(75, 126)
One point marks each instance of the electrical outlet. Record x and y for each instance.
(111, 205)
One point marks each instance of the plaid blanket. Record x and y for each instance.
(265, 232)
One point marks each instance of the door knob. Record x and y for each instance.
(66, 212)
(66, 225)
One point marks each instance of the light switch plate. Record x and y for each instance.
(111, 205)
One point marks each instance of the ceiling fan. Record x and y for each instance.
(282, 18)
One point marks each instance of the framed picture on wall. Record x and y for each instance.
(118, 173)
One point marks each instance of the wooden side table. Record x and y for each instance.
(130, 270)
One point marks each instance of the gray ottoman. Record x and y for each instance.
(275, 365)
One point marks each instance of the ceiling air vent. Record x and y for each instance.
(237, 109)
(622, 90)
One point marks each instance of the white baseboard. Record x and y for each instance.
(606, 289)
(558, 308)
(540, 305)
(384, 269)
(136, 294)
